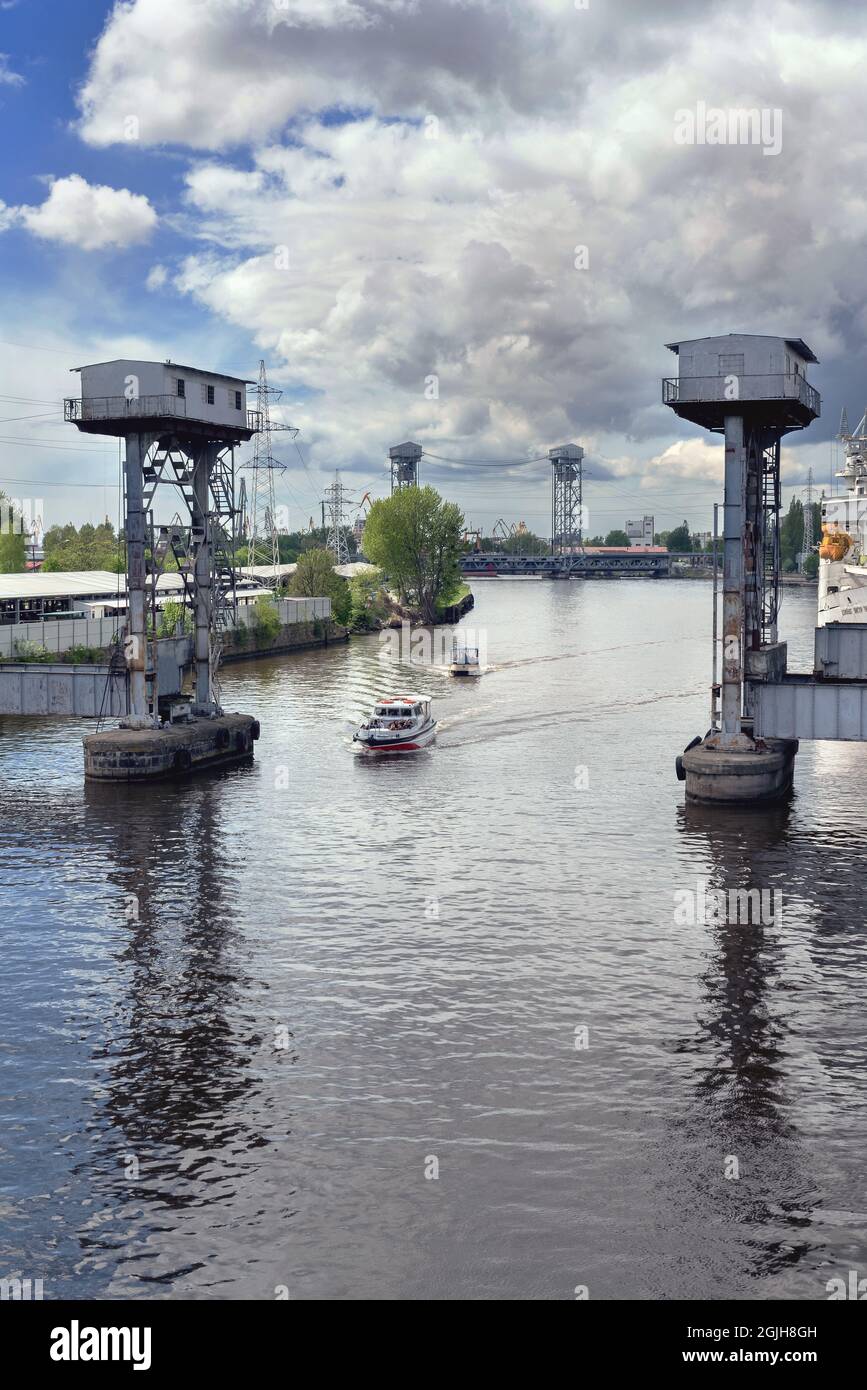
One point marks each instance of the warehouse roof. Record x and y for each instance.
(72, 584)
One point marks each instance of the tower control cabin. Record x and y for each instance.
(753, 373)
(127, 394)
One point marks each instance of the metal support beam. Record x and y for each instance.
(203, 461)
(137, 446)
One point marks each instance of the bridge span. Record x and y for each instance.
(585, 565)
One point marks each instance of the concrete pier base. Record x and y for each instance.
(141, 755)
(736, 777)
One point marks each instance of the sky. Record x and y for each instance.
(470, 223)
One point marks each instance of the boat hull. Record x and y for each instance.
(407, 743)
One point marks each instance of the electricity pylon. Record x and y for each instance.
(262, 536)
(336, 498)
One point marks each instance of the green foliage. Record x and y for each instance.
(680, 539)
(32, 651)
(80, 655)
(523, 543)
(171, 615)
(316, 577)
(415, 537)
(617, 537)
(13, 541)
(266, 620)
(792, 529)
(369, 601)
(87, 548)
(811, 564)
(454, 596)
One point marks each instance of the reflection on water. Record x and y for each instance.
(242, 1013)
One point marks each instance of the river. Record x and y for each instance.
(430, 1028)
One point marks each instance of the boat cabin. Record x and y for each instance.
(400, 711)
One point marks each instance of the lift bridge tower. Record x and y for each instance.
(567, 501)
(753, 390)
(405, 459)
(180, 426)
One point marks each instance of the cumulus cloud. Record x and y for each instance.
(91, 217)
(491, 245)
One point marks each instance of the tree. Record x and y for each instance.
(13, 542)
(680, 539)
(792, 535)
(316, 577)
(266, 620)
(617, 537)
(415, 537)
(171, 614)
(369, 601)
(91, 548)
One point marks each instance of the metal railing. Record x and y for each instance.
(119, 407)
(93, 408)
(769, 386)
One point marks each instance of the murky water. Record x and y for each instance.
(246, 1019)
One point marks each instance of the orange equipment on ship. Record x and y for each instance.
(835, 542)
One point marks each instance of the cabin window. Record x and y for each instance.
(181, 387)
(237, 400)
(210, 390)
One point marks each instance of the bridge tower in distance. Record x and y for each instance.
(405, 460)
(567, 506)
(753, 390)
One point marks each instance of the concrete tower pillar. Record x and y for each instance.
(733, 582)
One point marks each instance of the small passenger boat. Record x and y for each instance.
(465, 661)
(399, 724)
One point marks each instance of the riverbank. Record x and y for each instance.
(247, 644)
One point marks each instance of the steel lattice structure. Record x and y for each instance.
(567, 516)
(336, 499)
(260, 522)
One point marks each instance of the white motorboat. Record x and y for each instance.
(465, 661)
(398, 724)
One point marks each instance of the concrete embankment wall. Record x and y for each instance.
(63, 635)
(43, 688)
(291, 637)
